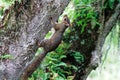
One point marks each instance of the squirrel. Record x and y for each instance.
(52, 43)
(48, 46)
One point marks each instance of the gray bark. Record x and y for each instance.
(28, 21)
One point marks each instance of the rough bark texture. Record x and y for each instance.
(26, 22)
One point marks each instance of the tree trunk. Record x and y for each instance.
(97, 54)
(25, 22)
(107, 22)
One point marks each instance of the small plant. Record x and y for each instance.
(6, 56)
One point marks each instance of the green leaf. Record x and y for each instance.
(59, 78)
(83, 28)
(6, 56)
(74, 67)
(46, 76)
(62, 64)
(111, 4)
(62, 56)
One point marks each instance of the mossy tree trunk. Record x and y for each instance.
(23, 24)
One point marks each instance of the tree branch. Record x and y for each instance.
(97, 54)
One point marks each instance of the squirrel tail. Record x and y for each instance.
(32, 66)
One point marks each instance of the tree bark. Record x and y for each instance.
(26, 22)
